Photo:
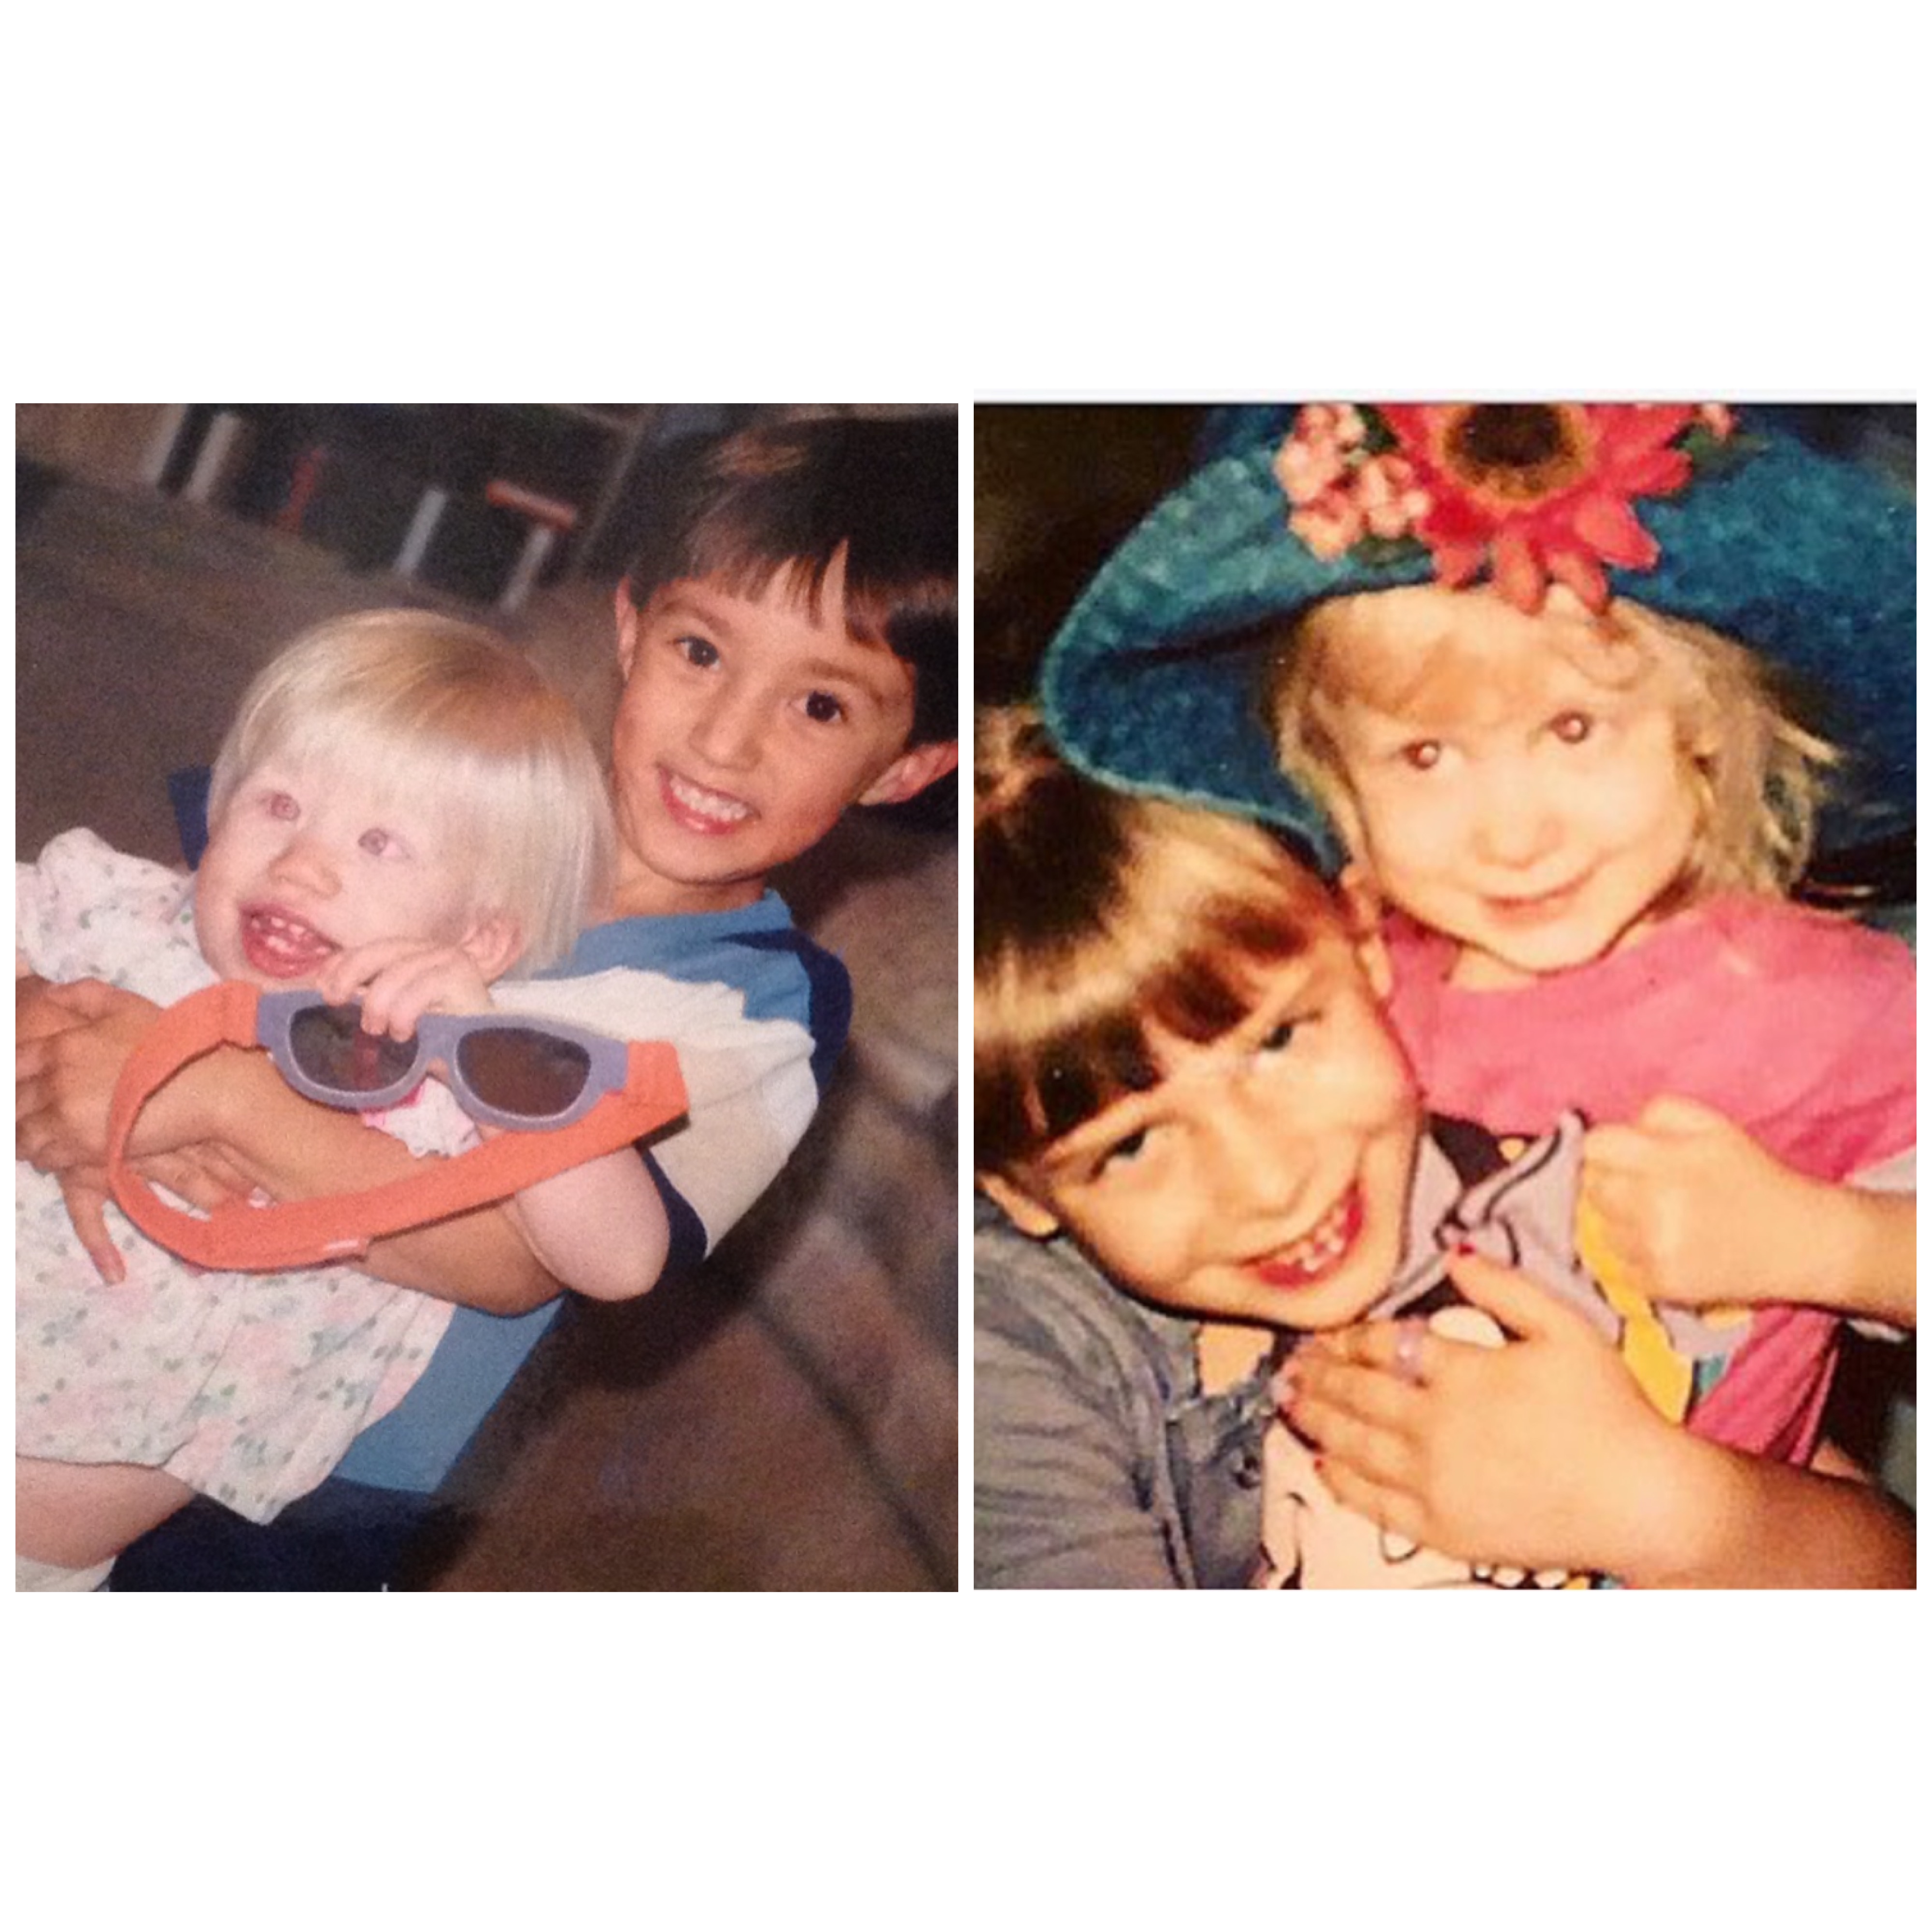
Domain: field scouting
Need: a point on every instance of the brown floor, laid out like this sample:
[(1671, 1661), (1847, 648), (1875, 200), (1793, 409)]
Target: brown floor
[(787, 1419)]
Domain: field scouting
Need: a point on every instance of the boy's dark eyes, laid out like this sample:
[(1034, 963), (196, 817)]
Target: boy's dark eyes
[(824, 708), (700, 653), (1279, 1038)]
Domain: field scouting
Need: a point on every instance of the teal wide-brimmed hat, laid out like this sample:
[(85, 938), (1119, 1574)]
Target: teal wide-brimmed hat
[(1732, 520)]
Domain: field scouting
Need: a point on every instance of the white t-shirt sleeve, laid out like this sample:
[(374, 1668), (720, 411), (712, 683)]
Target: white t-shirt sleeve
[(749, 1082)]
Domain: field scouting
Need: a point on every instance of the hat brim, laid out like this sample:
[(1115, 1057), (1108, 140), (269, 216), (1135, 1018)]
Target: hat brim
[(1153, 682)]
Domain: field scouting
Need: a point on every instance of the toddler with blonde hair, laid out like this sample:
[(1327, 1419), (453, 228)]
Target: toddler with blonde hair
[(402, 811)]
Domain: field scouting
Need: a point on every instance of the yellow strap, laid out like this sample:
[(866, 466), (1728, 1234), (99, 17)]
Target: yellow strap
[(1663, 1375)]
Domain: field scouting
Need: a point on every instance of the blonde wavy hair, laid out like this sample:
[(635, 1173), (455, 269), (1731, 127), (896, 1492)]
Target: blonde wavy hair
[(1759, 776)]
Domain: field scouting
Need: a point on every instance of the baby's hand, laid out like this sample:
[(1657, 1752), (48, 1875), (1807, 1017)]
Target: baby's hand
[(399, 980), (1700, 1213)]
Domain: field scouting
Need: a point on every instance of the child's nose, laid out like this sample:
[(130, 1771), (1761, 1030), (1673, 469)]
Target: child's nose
[(306, 863), (726, 734), (1515, 824), (1263, 1157)]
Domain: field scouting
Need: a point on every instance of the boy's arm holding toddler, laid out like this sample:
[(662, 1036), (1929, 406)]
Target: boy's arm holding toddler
[(205, 1180)]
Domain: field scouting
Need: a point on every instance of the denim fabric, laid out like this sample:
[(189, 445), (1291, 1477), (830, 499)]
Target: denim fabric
[(1098, 1461)]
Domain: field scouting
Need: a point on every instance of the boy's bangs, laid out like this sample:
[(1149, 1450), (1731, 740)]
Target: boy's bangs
[(883, 604), (782, 506), (785, 502)]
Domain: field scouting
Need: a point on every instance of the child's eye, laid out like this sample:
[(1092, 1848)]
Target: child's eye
[(279, 805), (1573, 727), (1123, 1152), (822, 708), (1422, 755), (1276, 1048), (699, 652), (381, 844)]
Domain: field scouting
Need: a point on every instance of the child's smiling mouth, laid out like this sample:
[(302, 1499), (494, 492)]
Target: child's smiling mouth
[(1532, 909), (280, 945), (696, 808), (1320, 1251)]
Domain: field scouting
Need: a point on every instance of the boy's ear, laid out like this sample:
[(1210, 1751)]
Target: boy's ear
[(493, 942), (627, 626), (1030, 1217), (911, 771)]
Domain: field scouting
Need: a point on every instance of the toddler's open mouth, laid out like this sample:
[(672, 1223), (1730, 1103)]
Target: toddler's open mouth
[(279, 946)]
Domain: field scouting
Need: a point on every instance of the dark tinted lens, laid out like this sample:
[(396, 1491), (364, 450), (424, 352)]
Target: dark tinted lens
[(523, 1072), (331, 1049)]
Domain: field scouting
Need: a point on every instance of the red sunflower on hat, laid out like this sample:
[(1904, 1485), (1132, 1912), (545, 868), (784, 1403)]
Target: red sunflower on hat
[(1534, 491)]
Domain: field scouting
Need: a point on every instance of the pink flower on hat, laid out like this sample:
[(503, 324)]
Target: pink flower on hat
[(1538, 491), (1332, 525), (1391, 500), (1341, 424), (1318, 455), (1342, 493), (1306, 470)]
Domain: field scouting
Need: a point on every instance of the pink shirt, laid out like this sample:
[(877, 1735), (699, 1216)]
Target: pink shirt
[(1798, 1027)]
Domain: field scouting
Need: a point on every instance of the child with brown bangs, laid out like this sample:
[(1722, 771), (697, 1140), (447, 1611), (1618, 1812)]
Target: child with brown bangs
[(787, 633), (1202, 1141)]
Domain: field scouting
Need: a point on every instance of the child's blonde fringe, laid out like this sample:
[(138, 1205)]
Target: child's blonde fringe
[(1760, 793)]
